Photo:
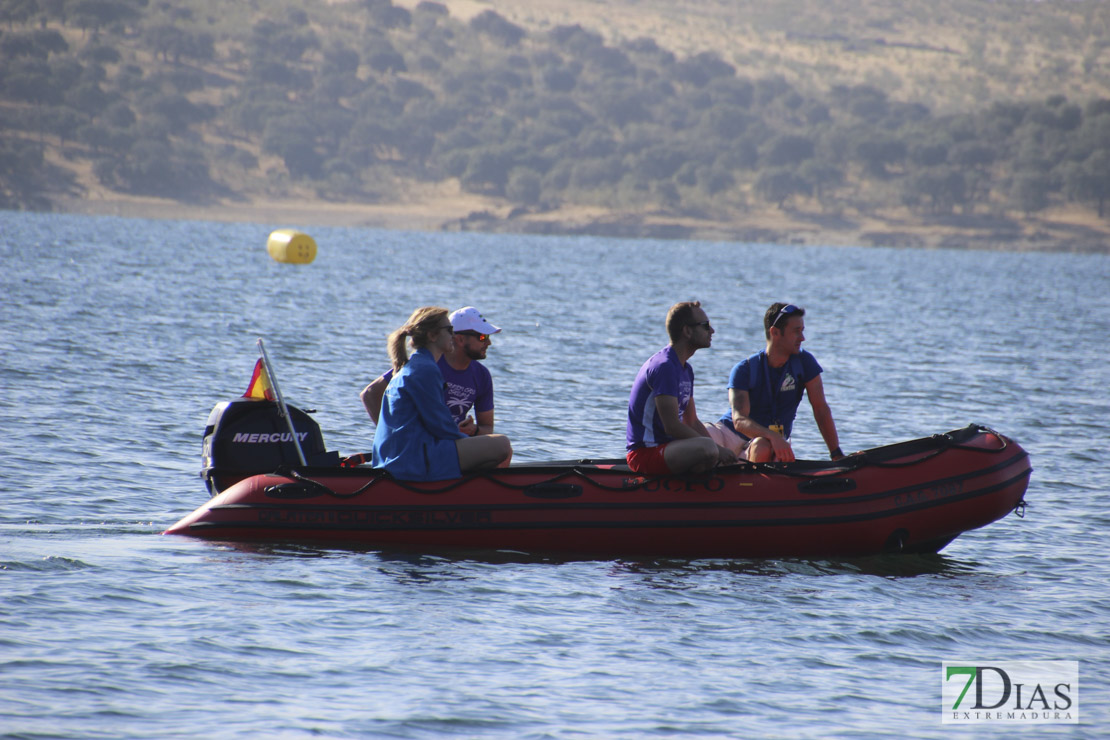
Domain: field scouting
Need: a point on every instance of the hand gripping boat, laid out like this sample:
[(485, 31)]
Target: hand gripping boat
[(914, 496)]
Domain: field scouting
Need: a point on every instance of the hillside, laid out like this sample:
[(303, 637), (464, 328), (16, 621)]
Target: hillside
[(951, 55), (969, 123)]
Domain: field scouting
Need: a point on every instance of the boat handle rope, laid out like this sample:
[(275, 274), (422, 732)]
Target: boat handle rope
[(946, 442), (632, 484), (849, 463)]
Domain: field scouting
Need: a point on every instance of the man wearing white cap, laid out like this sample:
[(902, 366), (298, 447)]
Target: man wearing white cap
[(468, 382)]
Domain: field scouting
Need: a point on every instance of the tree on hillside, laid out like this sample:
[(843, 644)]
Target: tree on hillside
[(726, 120), (152, 168), (778, 185), (940, 189), (293, 138), (1029, 192), (104, 139), (929, 149), (40, 44), (863, 101), (100, 54), (63, 122), (823, 177), (14, 12), (496, 27), (701, 69), (525, 186), (89, 98), (179, 112), (714, 180), (96, 14), (1089, 180), (385, 15), (879, 151), (21, 161), (174, 44), (30, 81), (488, 170), (787, 150)]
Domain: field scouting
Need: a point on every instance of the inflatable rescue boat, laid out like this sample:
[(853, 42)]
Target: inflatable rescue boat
[(914, 496)]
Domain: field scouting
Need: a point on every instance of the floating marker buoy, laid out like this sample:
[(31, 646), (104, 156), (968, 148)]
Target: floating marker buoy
[(291, 246)]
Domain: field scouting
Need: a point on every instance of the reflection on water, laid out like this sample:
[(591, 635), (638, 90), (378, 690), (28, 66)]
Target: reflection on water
[(886, 566), (431, 562)]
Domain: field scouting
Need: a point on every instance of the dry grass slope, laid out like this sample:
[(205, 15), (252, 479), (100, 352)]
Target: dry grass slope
[(952, 55)]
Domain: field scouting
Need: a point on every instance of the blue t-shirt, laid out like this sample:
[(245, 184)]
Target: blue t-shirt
[(464, 389), (774, 393), (661, 375)]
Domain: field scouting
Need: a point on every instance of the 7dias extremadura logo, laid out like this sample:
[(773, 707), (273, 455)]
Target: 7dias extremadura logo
[(1012, 691)]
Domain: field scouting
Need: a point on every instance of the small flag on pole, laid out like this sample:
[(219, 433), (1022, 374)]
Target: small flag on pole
[(260, 386)]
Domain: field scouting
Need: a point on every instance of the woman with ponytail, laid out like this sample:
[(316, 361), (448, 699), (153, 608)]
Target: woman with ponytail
[(416, 438)]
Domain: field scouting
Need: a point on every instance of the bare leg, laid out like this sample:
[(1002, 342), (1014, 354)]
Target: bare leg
[(483, 452), (695, 455), (760, 450)]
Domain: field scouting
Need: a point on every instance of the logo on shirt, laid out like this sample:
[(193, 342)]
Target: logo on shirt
[(460, 399), (685, 391), (788, 383)]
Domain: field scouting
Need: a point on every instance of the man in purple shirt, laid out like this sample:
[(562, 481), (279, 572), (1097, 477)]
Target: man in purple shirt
[(664, 433)]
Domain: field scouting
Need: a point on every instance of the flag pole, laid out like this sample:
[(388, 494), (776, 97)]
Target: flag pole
[(281, 401)]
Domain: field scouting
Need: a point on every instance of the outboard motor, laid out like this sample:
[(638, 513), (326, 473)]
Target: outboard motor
[(248, 436)]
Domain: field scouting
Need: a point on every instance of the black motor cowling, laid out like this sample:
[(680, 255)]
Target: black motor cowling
[(248, 436)]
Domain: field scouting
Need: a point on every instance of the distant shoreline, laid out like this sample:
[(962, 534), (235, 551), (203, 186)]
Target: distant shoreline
[(1065, 233)]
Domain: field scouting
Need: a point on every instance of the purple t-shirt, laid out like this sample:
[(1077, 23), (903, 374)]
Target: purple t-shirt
[(661, 375), (464, 389)]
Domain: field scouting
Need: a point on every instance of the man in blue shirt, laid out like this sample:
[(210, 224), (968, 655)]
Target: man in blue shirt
[(765, 389), (664, 434)]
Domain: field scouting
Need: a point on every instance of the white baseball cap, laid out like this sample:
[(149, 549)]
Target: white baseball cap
[(468, 319)]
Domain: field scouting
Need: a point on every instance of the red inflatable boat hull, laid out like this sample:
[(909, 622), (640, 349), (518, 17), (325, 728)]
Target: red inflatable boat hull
[(914, 496)]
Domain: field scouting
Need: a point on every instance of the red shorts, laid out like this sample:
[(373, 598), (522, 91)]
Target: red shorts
[(648, 460)]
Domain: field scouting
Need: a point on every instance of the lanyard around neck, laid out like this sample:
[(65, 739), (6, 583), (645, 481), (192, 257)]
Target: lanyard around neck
[(773, 392)]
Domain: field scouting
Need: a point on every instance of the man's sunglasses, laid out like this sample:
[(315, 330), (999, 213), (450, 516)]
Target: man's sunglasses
[(476, 335), (787, 310)]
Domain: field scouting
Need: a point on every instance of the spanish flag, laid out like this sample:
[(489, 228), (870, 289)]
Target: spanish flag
[(260, 383)]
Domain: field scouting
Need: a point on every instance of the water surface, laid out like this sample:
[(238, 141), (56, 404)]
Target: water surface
[(118, 336)]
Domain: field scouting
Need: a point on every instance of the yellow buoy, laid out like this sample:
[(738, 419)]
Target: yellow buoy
[(291, 246)]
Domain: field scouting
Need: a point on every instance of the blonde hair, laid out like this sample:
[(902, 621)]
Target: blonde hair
[(418, 328)]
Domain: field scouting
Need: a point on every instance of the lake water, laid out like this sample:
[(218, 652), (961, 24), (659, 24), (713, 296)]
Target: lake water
[(118, 336)]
